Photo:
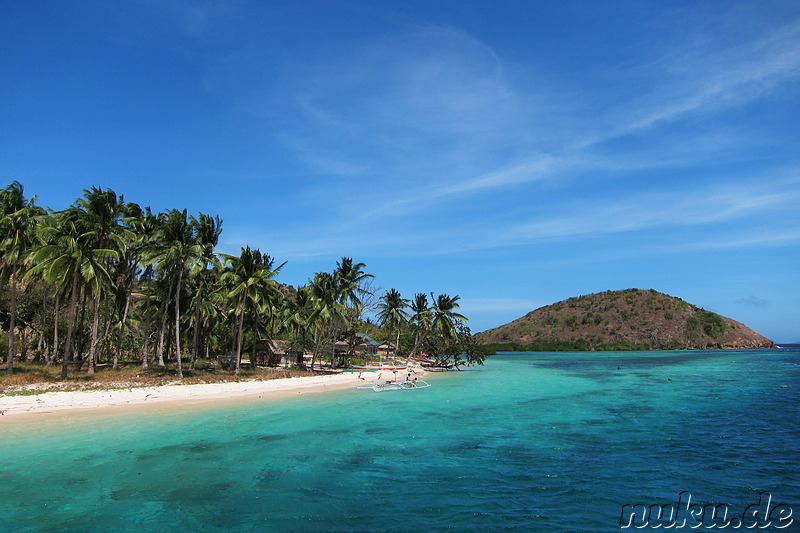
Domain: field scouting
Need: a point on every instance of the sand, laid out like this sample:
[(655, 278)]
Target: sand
[(53, 403)]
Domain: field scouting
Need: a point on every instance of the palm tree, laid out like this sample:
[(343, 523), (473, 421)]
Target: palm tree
[(271, 296), (207, 232), (126, 271), (65, 260), (349, 279), (249, 277), (444, 315), (179, 251), (392, 312), (16, 223), (420, 318), (102, 212), (298, 315), (146, 228), (328, 309), (441, 318), (17, 216)]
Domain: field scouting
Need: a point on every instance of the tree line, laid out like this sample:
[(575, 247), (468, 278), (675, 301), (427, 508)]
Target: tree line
[(108, 281)]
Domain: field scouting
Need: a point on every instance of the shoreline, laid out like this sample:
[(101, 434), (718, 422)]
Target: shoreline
[(53, 404)]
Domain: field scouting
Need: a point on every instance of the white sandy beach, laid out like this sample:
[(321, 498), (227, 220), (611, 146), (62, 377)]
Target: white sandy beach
[(176, 395)]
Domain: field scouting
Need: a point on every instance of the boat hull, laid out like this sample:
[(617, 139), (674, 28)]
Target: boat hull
[(377, 367), (396, 385)]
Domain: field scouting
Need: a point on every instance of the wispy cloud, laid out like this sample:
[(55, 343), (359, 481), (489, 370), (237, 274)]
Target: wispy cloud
[(753, 301), (764, 237), (434, 119), (665, 208), (714, 208), (697, 80), (406, 134)]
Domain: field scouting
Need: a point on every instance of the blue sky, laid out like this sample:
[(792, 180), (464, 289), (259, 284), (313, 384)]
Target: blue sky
[(514, 153)]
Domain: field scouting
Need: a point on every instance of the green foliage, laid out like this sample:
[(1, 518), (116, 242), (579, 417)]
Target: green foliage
[(106, 281), (621, 347), (406, 343), (580, 345), (460, 349), (705, 323)]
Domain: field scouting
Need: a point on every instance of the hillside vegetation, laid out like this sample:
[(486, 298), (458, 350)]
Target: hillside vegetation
[(619, 320)]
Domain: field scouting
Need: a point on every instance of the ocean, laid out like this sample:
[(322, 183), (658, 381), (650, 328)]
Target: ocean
[(529, 442)]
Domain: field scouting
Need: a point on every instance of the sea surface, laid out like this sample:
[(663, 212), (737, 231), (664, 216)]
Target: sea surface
[(529, 442)]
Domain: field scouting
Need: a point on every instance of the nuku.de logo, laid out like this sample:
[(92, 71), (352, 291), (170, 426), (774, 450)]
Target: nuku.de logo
[(763, 514)]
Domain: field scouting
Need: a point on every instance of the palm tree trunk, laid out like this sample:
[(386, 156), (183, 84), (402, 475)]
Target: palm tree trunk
[(177, 322), (77, 353), (54, 349), (106, 329), (73, 304), (420, 338), (239, 343), (39, 356), (146, 328), (41, 344), (162, 327), (397, 344), (118, 351), (95, 327), (333, 344), (195, 334), (12, 319), (317, 342)]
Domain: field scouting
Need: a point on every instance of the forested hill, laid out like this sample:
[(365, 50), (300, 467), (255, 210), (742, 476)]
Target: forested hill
[(627, 319)]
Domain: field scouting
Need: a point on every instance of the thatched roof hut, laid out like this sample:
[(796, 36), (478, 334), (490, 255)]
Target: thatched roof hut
[(268, 352)]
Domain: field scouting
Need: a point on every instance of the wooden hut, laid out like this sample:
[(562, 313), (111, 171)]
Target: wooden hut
[(267, 352)]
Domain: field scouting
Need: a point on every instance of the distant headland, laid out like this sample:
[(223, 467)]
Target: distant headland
[(631, 319)]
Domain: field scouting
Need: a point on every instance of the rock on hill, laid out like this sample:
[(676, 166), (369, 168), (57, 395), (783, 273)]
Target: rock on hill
[(647, 318)]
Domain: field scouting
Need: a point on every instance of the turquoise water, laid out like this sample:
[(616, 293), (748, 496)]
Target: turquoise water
[(530, 442)]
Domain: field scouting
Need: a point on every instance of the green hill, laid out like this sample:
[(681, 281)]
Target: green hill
[(627, 319)]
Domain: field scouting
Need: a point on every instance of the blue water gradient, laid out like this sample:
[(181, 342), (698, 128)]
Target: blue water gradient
[(530, 442)]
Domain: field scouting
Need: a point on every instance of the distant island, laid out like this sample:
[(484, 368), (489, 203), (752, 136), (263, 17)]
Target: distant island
[(631, 319)]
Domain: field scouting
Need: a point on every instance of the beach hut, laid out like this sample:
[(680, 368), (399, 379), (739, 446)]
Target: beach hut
[(386, 349), (267, 352), (359, 343)]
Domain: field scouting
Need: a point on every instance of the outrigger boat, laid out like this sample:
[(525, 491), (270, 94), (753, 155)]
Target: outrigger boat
[(424, 359), (375, 367), (397, 385)]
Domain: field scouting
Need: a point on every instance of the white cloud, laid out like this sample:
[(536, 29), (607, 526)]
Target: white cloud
[(443, 110), (664, 208), (697, 80), (407, 132)]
